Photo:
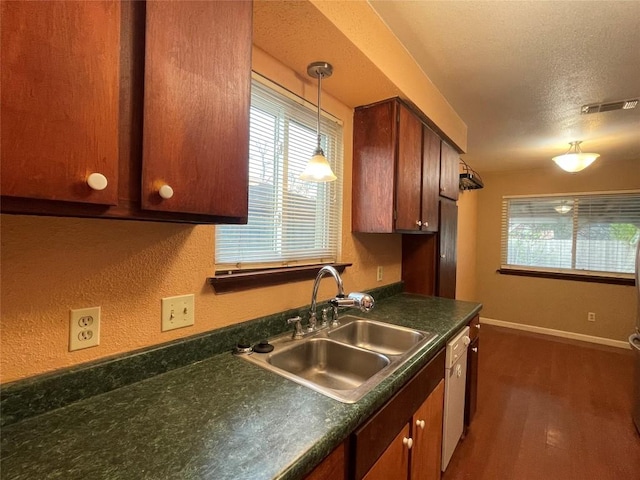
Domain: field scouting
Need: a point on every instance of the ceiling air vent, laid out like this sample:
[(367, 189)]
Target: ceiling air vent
[(607, 107)]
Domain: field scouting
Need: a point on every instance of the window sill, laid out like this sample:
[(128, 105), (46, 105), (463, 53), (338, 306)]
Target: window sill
[(567, 276), (237, 281)]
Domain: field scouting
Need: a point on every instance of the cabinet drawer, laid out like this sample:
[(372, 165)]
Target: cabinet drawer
[(377, 433)]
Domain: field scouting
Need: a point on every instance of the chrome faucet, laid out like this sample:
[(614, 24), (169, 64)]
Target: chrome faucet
[(363, 301)]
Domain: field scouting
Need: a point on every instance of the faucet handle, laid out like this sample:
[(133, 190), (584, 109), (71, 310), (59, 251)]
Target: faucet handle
[(325, 318), (297, 327)]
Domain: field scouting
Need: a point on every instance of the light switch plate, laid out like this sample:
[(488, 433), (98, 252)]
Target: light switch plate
[(84, 328), (177, 312)]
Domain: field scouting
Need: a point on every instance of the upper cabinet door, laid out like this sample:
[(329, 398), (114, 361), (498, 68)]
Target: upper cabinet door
[(196, 107), (408, 171), (60, 93), (374, 150), (430, 179), (449, 172)]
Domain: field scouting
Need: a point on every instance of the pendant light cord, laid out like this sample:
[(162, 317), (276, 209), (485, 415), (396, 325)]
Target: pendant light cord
[(318, 148)]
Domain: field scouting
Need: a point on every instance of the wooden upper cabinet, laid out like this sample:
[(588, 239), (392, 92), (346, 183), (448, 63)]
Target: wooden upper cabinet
[(374, 151), (60, 87), (449, 172), (145, 94), (196, 107), (430, 179), (395, 171), (409, 171)]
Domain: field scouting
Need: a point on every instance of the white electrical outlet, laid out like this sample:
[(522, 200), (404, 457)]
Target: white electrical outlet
[(591, 316), (379, 273), (177, 312), (84, 328)]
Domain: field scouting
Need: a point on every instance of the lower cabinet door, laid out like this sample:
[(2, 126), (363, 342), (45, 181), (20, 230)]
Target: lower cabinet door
[(427, 435), (394, 462)]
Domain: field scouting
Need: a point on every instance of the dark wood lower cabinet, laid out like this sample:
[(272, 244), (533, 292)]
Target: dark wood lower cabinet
[(379, 445), (333, 467)]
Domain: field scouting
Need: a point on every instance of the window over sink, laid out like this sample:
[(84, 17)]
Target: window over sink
[(590, 234), (291, 222)]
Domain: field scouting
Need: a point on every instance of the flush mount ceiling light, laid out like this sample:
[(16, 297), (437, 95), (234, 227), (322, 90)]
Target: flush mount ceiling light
[(318, 168), (575, 160), (563, 208)]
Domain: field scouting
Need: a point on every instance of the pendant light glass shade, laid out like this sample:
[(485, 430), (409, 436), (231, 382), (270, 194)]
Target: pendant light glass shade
[(318, 168), (575, 160)]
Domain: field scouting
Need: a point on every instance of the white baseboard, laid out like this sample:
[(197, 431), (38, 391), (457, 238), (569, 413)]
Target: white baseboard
[(557, 333)]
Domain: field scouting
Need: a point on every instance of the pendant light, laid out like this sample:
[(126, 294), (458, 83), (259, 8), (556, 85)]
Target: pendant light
[(575, 160), (318, 168)]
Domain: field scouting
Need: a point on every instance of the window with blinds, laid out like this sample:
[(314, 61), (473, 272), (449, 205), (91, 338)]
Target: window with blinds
[(587, 234), (291, 221)]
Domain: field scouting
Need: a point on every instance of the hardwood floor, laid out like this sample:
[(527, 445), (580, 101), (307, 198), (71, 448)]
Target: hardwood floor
[(549, 409)]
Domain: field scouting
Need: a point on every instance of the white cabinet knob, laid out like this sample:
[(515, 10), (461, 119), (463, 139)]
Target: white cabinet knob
[(419, 223), (420, 423), (97, 181), (466, 340), (408, 442), (475, 349), (165, 191), (443, 255), (425, 224)]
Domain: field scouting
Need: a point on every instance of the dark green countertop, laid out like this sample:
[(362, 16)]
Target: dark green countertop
[(220, 418)]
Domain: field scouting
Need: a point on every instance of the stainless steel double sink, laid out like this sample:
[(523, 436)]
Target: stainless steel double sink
[(344, 362)]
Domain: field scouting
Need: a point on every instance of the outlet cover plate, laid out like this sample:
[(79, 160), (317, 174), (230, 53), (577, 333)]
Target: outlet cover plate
[(84, 328), (177, 312)]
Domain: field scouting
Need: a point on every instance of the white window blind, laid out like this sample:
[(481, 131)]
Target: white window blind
[(291, 221), (585, 234)]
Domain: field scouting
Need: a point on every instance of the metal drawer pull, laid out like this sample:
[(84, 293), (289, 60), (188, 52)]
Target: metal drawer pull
[(420, 423), (408, 442)]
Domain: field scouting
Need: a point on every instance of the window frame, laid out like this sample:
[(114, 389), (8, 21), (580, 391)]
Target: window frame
[(256, 274), (618, 278)]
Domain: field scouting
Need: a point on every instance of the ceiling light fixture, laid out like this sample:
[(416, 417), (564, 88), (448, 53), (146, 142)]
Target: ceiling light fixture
[(318, 168), (563, 208), (575, 160)]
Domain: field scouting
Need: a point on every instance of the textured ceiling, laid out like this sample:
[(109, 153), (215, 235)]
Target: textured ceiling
[(296, 33), (517, 72)]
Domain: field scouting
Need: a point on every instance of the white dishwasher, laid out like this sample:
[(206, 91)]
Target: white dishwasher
[(455, 379)]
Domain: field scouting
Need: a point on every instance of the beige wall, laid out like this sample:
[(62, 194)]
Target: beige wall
[(549, 303), (467, 246), (50, 265)]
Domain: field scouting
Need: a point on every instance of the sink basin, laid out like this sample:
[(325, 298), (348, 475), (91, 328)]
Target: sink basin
[(346, 362), (377, 336), (330, 364)]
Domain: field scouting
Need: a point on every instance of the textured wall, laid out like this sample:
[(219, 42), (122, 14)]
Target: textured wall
[(550, 303), (50, 265), (467, 249)]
